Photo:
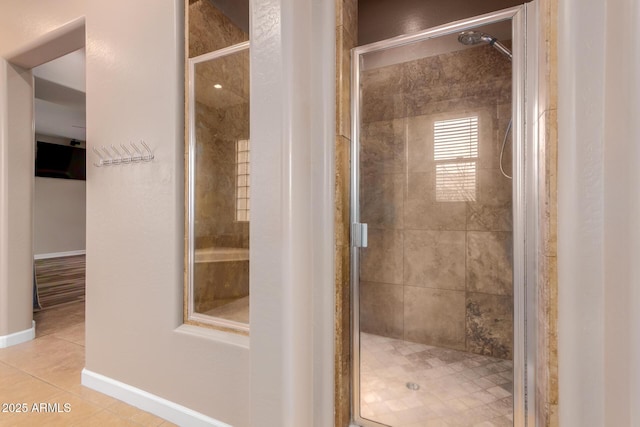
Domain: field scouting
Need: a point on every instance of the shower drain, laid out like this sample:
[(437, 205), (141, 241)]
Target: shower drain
[(413, 386)]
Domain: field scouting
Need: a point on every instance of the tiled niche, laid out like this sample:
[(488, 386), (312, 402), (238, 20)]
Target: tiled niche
[(438, 267)]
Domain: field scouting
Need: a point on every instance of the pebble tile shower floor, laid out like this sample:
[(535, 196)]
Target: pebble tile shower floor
[(456, 388)]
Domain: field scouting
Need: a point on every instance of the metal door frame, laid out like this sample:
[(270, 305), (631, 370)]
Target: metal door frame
[(525, 198)]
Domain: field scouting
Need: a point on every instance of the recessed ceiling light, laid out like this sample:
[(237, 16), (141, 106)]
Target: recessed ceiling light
[(217, 86)]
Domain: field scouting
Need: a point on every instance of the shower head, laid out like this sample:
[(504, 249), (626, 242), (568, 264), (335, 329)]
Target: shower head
[(470, 38)]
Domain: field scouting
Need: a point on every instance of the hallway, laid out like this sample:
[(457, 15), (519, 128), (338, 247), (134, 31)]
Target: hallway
[(47, 370)]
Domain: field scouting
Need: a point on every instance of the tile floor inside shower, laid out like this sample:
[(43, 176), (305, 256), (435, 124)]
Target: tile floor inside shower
[(456, 388)]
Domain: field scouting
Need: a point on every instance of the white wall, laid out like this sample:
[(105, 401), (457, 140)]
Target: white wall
[(598, 211), (292, 237), (622, 215)]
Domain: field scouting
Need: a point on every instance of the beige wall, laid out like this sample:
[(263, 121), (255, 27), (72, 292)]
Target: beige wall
[(59, 210), (16, 202), (59, 219), (135, 221), (134, 214), (135, 217)]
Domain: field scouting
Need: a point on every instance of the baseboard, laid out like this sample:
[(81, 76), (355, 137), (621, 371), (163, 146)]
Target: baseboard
[(141, 399), (18, 337), (59, 254)]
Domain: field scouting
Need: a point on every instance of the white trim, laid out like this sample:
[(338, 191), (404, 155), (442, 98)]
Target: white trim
[(59, 254), (19, 337), (141, 399)]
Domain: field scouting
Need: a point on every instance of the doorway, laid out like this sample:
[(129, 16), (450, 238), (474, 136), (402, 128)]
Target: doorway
[(59, 205), (438, 223)]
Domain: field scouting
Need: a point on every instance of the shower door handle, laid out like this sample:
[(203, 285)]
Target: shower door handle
[(359, 235)]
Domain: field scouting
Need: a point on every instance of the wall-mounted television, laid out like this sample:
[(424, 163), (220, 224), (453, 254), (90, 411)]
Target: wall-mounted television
[(60, 161)]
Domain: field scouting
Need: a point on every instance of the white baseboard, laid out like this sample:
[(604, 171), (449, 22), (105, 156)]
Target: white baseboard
[(59, 254), (163, 408), (19, 337)]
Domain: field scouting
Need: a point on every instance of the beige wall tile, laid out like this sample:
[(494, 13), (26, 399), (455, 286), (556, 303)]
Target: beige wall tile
[(420, 144), (344, 44), (381, 261), (210, 30), (342, 190), (381, 308), (342, 337), (550, 216), (343, 299), (423, 212), (382, 200), (346, 28), (434, 317), (347, 16), (492, 210), (435, 259), (489, 326), (490, 262), (552, 306), (215, 282), (382, 147)]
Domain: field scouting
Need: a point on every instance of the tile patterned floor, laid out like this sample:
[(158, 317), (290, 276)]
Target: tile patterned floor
[(236, 310), (47, 370), (457, 389)]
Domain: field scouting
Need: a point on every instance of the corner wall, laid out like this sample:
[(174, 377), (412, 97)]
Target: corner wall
[(581, 286), (598, 211), (16, 203)]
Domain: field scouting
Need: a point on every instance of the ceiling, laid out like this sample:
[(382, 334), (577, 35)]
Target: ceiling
[(60, 100)]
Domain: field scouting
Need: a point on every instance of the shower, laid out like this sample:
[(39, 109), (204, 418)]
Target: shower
[(470, 38)]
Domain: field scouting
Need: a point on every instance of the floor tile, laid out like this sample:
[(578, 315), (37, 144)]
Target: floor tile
[(46, 371), (456, 388)]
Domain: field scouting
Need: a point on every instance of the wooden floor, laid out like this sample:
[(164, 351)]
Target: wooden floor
[(60, 280), (47, 370)]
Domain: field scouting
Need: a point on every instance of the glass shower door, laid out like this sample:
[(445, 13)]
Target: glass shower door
[(433, 267)]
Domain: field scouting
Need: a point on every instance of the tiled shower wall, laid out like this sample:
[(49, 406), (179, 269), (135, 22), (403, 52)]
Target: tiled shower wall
[(434, 272), (221, 119)]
